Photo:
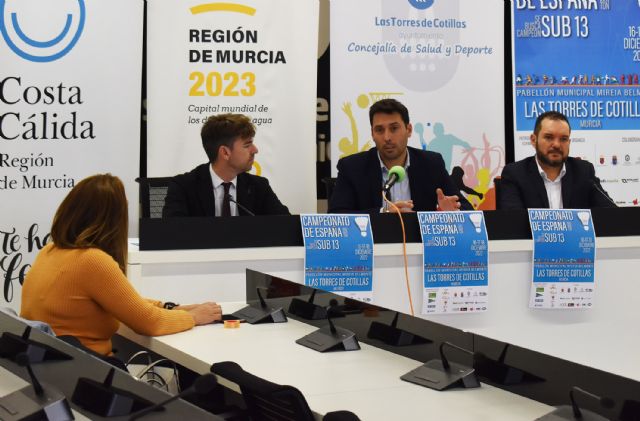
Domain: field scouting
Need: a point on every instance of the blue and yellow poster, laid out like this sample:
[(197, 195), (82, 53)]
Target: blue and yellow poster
[(455, 260), (564, 247), (339, 254)]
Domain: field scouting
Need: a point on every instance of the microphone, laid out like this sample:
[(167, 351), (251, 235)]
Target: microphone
[(596, 184), (332, 327), (396, 173), (442, 374), (307, 309), (445, 361), (577, 413), (39, 404), (573, 411), (240, 206), (22, 359), (203, 385), (263, 303)]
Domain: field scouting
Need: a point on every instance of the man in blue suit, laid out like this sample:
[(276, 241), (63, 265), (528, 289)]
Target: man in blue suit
[(361, 176)]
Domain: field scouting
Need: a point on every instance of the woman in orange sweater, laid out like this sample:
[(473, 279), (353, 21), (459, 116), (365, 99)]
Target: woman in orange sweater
[(77, 283)]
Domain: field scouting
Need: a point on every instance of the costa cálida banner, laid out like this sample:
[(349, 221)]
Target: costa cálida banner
[(70, 84)]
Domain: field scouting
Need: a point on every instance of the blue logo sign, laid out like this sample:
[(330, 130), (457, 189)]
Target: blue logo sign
[(423, 4), (37, 50)]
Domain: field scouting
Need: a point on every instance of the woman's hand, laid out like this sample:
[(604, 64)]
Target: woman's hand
[(204, 313)]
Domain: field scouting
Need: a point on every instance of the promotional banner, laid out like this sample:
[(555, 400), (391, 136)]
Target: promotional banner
[(455, 262), (564, 248), (339, 254), (582, 58), (70, 84), (444, 60), (215, 58)]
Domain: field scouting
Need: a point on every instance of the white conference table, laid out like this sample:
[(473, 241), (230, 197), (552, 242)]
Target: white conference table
[(366, 382), (602, 337)]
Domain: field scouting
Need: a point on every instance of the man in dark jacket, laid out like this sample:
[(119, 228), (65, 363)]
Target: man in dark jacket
[(223, 187), (551, 179), (361, 176)]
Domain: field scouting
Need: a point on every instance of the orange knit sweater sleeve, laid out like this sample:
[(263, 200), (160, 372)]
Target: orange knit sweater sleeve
[(108, 286), (155, 303)]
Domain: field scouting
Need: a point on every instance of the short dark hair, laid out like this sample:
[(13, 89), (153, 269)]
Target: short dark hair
[(551, 115), (224, 129), (389, 106)]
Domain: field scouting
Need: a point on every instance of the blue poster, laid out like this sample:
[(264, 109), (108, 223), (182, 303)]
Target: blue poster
[(455, 260), (580, 58), (564, 246), (339, 254)]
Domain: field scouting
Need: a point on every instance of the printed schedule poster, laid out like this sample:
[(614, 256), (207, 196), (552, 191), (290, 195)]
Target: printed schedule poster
[(455, 260), (582, 58), (339, 254), (564, 247)]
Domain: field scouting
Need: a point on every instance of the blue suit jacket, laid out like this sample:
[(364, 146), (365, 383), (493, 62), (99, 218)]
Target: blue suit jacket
[(359, 184)]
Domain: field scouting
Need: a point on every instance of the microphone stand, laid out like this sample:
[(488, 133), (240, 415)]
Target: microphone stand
[(244, 208), (574, 412), (596, 185), (442, 374), (34, 402), (203, 385)]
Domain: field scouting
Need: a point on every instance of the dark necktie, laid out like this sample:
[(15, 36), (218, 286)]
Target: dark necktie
[(226, 200)]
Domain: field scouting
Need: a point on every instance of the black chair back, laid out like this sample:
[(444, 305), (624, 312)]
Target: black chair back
[(270, 401), (496, 186), (114, 361), (153, 190), (329, 184), (265, 400)]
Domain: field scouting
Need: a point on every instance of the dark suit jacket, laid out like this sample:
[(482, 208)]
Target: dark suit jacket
[(191, 194), (522, 187), (359, 185)]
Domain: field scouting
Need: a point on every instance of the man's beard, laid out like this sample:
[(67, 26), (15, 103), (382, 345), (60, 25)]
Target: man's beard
[(546, 161)]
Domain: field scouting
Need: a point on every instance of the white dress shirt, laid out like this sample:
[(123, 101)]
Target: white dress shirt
[(218, 192), (553, 188)]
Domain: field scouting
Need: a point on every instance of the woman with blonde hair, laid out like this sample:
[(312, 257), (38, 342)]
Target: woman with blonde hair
[(77, 283)]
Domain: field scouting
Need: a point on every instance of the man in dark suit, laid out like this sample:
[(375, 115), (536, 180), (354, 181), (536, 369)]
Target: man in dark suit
[(551, 179), (222, 187), (361, 176)]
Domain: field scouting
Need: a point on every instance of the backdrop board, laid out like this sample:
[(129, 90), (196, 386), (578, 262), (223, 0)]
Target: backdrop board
[(581, 58), (214, 58), (70, 84), (444, 60)]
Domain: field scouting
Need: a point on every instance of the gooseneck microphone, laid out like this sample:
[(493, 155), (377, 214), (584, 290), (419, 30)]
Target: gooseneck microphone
[(203, 385), (241, 206), (445, 361), (577, 413), (596, 184), (22, 359), (396, 173)]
